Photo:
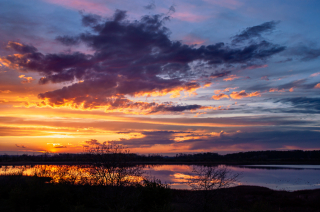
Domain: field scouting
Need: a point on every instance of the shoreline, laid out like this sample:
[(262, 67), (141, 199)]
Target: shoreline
[(26, 163)]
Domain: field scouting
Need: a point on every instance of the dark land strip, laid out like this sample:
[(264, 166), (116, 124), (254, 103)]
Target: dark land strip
[(21, 193)]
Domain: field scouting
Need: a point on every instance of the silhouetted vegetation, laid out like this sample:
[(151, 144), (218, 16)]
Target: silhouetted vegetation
[(21, 193)]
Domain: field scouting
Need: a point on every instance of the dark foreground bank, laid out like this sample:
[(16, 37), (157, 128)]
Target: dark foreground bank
[(20, 193)]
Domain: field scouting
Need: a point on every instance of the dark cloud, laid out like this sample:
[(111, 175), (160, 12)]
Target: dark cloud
[(132, 58), (291, 110), (151, 138), (255, 31), (92, 142), (220, 74), (303, 103), (177, 108), (268, 139), (22, 49), (294, 84), (304, 52), (150, 6), (310, 54), (68, 40), (105, 91), (286, 60), (260, 140), (59, 146), (172, 9), (91, 20), (20, 146)]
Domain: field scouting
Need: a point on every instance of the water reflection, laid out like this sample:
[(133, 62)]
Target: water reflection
[(77, 174), (286, 177)]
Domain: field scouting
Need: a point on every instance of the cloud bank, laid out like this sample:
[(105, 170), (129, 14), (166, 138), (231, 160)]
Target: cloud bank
[(130, 59)]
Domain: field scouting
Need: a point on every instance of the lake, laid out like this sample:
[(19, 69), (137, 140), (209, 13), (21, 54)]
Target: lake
[(278, 177)]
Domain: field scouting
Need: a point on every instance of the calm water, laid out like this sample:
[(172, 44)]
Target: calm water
[(278, 177)]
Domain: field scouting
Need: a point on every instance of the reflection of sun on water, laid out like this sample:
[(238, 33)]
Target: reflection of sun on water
[(66, 174)]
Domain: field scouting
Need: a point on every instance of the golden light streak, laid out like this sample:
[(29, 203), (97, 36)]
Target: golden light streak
[(175, 92), (26, 79), (220, 96), (276, 90), (231, 78), (243, 94)]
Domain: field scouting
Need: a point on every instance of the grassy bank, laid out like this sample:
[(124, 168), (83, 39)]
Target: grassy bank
[(21, 193)]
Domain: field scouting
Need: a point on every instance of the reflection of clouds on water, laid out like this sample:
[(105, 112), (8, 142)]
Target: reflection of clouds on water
[(286, 177), (173, 168)]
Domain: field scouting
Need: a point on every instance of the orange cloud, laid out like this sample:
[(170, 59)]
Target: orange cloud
[(26, 79), (118, 104), (217, 91), (208, 84), (5, 91), (11, 60), (243, 94), (16, 43), (276, 90), (220, 96), (5, 62), (175, 92), (225, 90), (198, 114), (230, 78), (291, 89), (317, 85)]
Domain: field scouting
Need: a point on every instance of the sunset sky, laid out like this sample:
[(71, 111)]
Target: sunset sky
[(159, 76)]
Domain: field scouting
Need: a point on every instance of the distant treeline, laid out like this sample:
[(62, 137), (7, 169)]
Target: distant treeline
[(241, 157)]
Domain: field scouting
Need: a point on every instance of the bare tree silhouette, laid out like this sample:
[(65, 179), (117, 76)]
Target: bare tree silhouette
[(111, 165), (209, 179), (212, 177)]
